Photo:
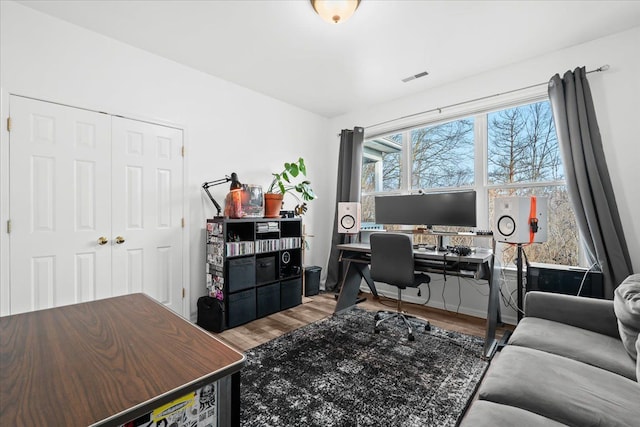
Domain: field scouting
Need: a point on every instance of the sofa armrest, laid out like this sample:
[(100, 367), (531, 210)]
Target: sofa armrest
[(595, 315)]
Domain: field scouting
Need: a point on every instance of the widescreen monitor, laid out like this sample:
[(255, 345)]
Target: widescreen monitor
[(430, 209)]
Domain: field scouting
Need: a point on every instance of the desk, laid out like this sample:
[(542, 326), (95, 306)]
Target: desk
[(107, 362), (478, 265)]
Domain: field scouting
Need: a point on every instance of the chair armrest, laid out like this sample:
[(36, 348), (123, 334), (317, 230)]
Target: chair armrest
[(595, 315)]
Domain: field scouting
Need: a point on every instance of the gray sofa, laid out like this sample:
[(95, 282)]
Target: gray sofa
[(570, 361)]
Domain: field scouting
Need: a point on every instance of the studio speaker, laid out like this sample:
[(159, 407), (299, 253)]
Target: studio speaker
[(348, 217), (520, 219)]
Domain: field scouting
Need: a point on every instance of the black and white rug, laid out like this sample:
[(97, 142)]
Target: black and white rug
[(337, 372)]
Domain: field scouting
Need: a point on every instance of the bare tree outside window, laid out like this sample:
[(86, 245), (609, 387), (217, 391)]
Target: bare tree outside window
[(442, 155), (523, 149), (523, 146)]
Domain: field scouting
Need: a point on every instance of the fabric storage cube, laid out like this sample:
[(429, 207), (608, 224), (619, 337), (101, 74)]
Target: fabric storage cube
[(265, 269), (242, 274), (268, 299), (290, 293), (241, 307)]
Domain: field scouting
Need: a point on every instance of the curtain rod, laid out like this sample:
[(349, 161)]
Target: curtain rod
[(439, 109)]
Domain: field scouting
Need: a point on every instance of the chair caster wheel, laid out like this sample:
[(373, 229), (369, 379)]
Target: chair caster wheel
[(411, 337), (376, 330), (427, 327)]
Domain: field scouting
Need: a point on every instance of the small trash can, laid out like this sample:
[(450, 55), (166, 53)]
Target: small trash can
[(312, 280), (210, 314)]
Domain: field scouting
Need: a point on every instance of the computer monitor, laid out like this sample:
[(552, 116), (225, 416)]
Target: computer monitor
[(431, 209)]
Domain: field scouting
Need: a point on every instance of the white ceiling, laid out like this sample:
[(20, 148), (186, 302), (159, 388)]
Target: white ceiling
[(284, 50)]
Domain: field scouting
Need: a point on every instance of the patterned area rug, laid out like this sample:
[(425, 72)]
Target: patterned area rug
[(337, 372)]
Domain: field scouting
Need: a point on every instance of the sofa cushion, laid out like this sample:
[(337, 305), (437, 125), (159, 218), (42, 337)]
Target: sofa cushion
[(490, 414), (580, 344), (561, 389), (626, 304)]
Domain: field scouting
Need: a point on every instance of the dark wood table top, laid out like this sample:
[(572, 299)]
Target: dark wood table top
[(90, 363)]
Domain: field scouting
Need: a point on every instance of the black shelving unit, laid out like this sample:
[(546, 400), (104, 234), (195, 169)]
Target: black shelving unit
[(254, 266)]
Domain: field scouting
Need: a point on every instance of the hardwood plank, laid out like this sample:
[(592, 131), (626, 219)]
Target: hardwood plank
[(323, 305)]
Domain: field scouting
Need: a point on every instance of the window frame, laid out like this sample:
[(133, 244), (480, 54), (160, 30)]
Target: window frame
[(479, 111)]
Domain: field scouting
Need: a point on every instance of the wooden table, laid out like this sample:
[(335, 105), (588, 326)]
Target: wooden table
[(106, 362)]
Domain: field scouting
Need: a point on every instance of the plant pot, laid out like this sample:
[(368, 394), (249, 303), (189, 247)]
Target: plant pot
[(272, 205)]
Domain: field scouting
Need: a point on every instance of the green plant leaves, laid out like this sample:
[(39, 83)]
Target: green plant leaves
[(292, 170), (302, 166)]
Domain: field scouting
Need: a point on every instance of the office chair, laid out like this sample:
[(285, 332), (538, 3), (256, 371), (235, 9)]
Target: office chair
[(392, 263)]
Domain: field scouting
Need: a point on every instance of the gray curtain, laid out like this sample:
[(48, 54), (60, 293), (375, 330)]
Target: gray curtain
[(348, 190), (587, 175)]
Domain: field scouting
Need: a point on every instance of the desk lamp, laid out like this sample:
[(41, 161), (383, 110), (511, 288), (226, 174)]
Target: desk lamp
[(235, 185)]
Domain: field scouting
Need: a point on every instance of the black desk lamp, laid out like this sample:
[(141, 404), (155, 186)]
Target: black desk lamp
[(235, 184)]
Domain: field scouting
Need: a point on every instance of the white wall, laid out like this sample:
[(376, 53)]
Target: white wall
[(228, 128), (615, 92)]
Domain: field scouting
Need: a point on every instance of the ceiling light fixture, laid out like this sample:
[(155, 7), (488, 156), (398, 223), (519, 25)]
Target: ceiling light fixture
[(335, 11)]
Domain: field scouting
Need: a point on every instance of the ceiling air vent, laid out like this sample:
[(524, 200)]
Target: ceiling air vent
[(417, 76)]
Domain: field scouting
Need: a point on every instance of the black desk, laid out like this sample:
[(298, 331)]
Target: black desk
[(478, 265)]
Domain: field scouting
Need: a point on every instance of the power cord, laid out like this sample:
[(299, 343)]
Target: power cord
[(444, 301), (444, 276), (428, 293), (584, 277), (459, 296), (510, 301)]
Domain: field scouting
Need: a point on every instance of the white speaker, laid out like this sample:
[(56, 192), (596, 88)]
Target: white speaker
[(348, 217), (517, 221)]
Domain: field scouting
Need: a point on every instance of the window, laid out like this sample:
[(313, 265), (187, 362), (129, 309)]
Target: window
[(511, 151), (381, 165), (442, 155)]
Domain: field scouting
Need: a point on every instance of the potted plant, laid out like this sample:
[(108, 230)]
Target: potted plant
[(283, 183)]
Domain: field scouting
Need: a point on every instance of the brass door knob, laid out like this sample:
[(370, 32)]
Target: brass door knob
[(119, 240), (102, 240)]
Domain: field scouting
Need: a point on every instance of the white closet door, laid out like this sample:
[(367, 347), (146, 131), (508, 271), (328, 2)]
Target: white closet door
[(147, 210), (60, 195)]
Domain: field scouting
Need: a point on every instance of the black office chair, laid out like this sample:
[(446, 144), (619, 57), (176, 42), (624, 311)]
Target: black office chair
[(392, 263)]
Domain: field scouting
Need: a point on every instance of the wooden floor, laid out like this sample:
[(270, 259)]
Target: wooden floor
[(320, 306)]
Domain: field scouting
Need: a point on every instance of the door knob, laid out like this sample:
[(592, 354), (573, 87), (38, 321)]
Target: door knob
[(102, 240), (119, 240)]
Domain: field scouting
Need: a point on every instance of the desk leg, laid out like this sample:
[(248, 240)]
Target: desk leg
[(493, 316), (349, 288), (229, 400), (365, 273), (235, 399)]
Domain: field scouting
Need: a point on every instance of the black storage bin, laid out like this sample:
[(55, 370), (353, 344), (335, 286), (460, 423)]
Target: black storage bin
[(242, 274), (290, 293), (268, 299), (265, 269), (242, 307), (312, 280), (210, 314)]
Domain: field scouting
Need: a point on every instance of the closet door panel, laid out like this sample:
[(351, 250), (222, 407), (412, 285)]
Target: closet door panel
[(147, 210), (59, 204)]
